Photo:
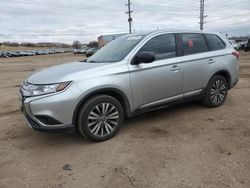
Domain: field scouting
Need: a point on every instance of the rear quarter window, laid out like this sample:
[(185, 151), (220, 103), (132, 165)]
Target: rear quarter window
[(193, 43), (214, 42)]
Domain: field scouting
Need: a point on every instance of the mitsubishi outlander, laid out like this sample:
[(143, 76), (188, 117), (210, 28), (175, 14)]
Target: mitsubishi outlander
[(133, 74)]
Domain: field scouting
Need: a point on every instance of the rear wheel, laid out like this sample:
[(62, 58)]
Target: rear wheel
[(100, 118), (216, 91)]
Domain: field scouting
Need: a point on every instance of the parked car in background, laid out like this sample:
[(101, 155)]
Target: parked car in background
[(76, 51), (91, 51), (133, 74), (83, 51), (242, 44), (80, 51), (247, 46), (235, 45), (5, 54)]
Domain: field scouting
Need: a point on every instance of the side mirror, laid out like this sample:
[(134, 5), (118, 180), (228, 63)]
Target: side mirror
[(143, 57)]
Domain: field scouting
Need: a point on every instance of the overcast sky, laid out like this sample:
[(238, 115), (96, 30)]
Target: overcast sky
[(85, 20)]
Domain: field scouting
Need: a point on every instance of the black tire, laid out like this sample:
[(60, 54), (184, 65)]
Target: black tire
[(84, 123), (210, 99)]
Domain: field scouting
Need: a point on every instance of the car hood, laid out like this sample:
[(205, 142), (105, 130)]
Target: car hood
[(61, 73)]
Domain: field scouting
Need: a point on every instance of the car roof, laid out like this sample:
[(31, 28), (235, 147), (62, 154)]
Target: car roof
[(144, 33)]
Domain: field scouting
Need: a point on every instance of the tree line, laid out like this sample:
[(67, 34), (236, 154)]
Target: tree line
[(75, 44)]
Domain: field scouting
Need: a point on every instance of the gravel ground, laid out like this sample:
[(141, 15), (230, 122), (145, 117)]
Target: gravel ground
[(183, 146)]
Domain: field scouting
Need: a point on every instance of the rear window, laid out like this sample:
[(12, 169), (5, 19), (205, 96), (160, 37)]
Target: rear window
[(193, 43), (214, 42)]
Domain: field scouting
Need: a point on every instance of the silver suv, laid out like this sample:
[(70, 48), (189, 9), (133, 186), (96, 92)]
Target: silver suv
[(133, 74)]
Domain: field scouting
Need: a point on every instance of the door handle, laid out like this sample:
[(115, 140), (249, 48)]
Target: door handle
[(175, 68), (211, 61)]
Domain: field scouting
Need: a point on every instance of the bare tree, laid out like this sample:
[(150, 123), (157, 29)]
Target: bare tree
[(76, 44), (93, 44)]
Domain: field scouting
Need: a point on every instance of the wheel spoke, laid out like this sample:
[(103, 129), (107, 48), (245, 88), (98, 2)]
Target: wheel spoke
[(93, 117), (98, 109), (106, 109), (215, 99), (113, 114), (103, 108), (107, 130), (212, 95), (111, 109), (95, 127), (218, 98), (222, 96), (98, 128), (115, 123), (92, 123), (114, 117), (212, 91), (223, 87), (107, 126), (217, 84), (94, 114)]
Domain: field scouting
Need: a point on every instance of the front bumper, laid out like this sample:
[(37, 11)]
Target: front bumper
[(36, 126), (52, 112)]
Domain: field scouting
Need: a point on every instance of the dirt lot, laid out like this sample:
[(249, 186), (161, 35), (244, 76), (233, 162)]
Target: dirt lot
[(182, 146)]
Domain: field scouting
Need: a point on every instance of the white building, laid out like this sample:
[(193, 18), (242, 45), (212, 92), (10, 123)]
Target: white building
[(105, 39)]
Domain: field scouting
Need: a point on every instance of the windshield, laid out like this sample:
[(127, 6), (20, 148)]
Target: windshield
[(116, 50)]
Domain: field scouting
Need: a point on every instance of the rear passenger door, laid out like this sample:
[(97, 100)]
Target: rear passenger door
[(195, 63)]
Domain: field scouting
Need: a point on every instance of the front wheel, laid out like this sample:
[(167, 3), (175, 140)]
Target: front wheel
[(100, 118), (216, 91)]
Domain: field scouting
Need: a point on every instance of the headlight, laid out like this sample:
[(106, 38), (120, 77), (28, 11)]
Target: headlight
[(35, 90)]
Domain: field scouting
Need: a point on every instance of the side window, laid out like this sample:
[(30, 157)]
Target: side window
[(214, 42), (193, 43), (163, 46)]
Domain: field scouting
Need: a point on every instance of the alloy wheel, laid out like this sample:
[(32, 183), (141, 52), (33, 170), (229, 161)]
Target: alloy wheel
[(103, 119), (218, 91)]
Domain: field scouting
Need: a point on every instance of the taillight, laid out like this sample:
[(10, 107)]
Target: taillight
[(236, 54)]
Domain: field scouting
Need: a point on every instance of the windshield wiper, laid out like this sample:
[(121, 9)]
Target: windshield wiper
[(86, 61)]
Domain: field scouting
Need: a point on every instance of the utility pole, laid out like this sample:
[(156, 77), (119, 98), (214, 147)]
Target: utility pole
[(129, 15), (202, 14)]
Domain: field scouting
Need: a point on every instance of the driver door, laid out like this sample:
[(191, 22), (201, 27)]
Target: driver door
[(158, 82)]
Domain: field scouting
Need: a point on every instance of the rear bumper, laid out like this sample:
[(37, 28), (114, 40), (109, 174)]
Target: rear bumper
[(234, 83)]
